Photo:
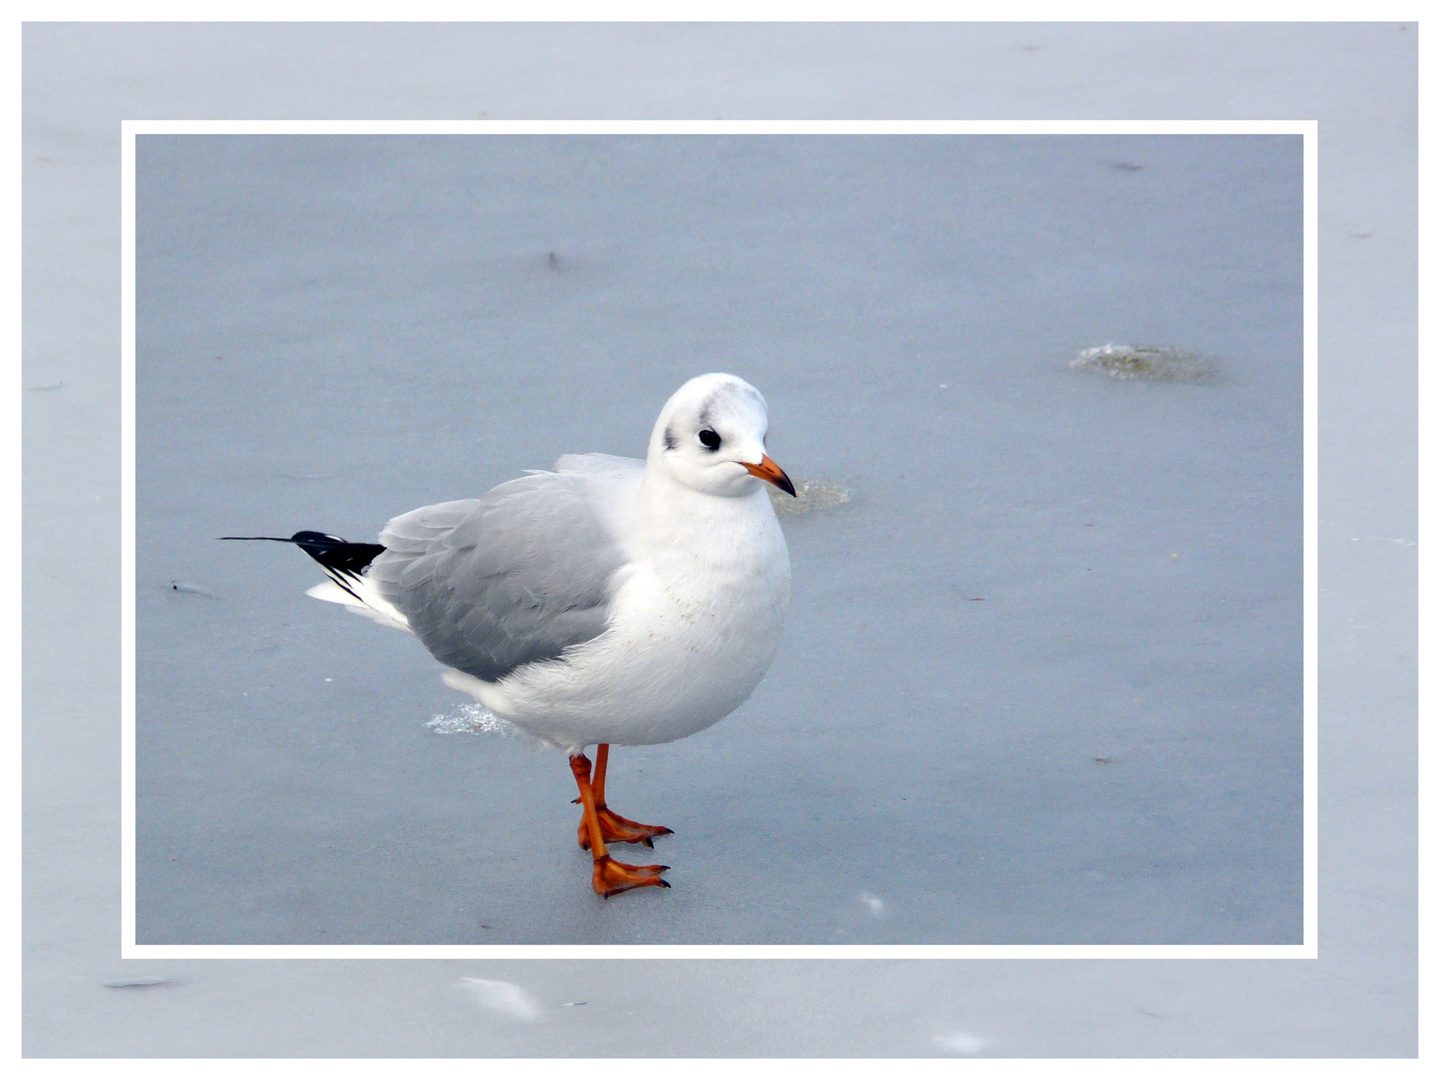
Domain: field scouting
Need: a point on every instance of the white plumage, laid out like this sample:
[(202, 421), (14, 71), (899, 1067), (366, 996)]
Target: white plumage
[(609, 601), (697, 579)]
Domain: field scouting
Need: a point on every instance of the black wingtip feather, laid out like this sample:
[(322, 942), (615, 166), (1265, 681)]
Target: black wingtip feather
[(331, 552)]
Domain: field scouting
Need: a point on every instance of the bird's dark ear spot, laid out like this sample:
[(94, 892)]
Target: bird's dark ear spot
[(670, 442)]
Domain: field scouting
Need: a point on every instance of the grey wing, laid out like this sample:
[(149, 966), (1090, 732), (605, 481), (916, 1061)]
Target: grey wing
[(511, 579)]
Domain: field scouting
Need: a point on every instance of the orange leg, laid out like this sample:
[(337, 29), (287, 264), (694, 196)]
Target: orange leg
[(610, 877), (614, 828)]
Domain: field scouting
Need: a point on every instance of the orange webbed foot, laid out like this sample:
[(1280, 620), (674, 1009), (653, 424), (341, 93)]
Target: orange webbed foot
[(599, 826), (615, 829), (611, 877)]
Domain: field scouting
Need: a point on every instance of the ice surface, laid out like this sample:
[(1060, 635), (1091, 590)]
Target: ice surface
[(1044, 651), (810, 495), (135, 982), (960, 1042), (1160, 362), (504, 998), (471, 718)]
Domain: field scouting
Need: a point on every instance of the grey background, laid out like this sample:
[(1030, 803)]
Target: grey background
[(1358, 999), (1042, 681)]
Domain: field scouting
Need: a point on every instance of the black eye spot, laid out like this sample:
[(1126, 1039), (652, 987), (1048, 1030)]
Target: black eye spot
[(709, 440)]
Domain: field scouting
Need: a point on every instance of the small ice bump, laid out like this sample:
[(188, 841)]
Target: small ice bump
[(471, 718), (960, 1042), (504, 998), (810, 495), (873, 902), (135, 981), (1160, 363)]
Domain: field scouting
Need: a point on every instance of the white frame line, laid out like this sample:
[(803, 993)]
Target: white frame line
[(1307, 950)]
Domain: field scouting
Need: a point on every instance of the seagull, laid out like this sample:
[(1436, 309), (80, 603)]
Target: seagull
[(607, 601)]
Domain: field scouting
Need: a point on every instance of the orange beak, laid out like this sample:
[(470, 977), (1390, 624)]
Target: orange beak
[(768, 470)]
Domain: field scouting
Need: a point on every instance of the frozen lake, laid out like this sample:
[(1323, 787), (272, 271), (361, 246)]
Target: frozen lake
[(1041, 682)]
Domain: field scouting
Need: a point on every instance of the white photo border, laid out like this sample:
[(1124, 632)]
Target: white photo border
[(1308, 949)]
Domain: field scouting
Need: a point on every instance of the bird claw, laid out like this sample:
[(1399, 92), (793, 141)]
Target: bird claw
[(615, 829), (612, 878)]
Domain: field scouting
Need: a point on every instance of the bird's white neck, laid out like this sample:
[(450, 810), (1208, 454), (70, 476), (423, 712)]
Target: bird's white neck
[(679, 518)]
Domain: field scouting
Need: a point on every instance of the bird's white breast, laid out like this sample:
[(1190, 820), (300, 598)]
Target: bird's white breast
[(695, 622)]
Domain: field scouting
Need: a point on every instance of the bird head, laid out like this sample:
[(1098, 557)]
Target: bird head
[(710, 437)]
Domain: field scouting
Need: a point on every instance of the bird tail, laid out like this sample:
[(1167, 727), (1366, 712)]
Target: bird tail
[(344, 564)]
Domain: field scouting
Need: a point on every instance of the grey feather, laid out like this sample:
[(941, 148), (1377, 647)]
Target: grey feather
[(510, 579)]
